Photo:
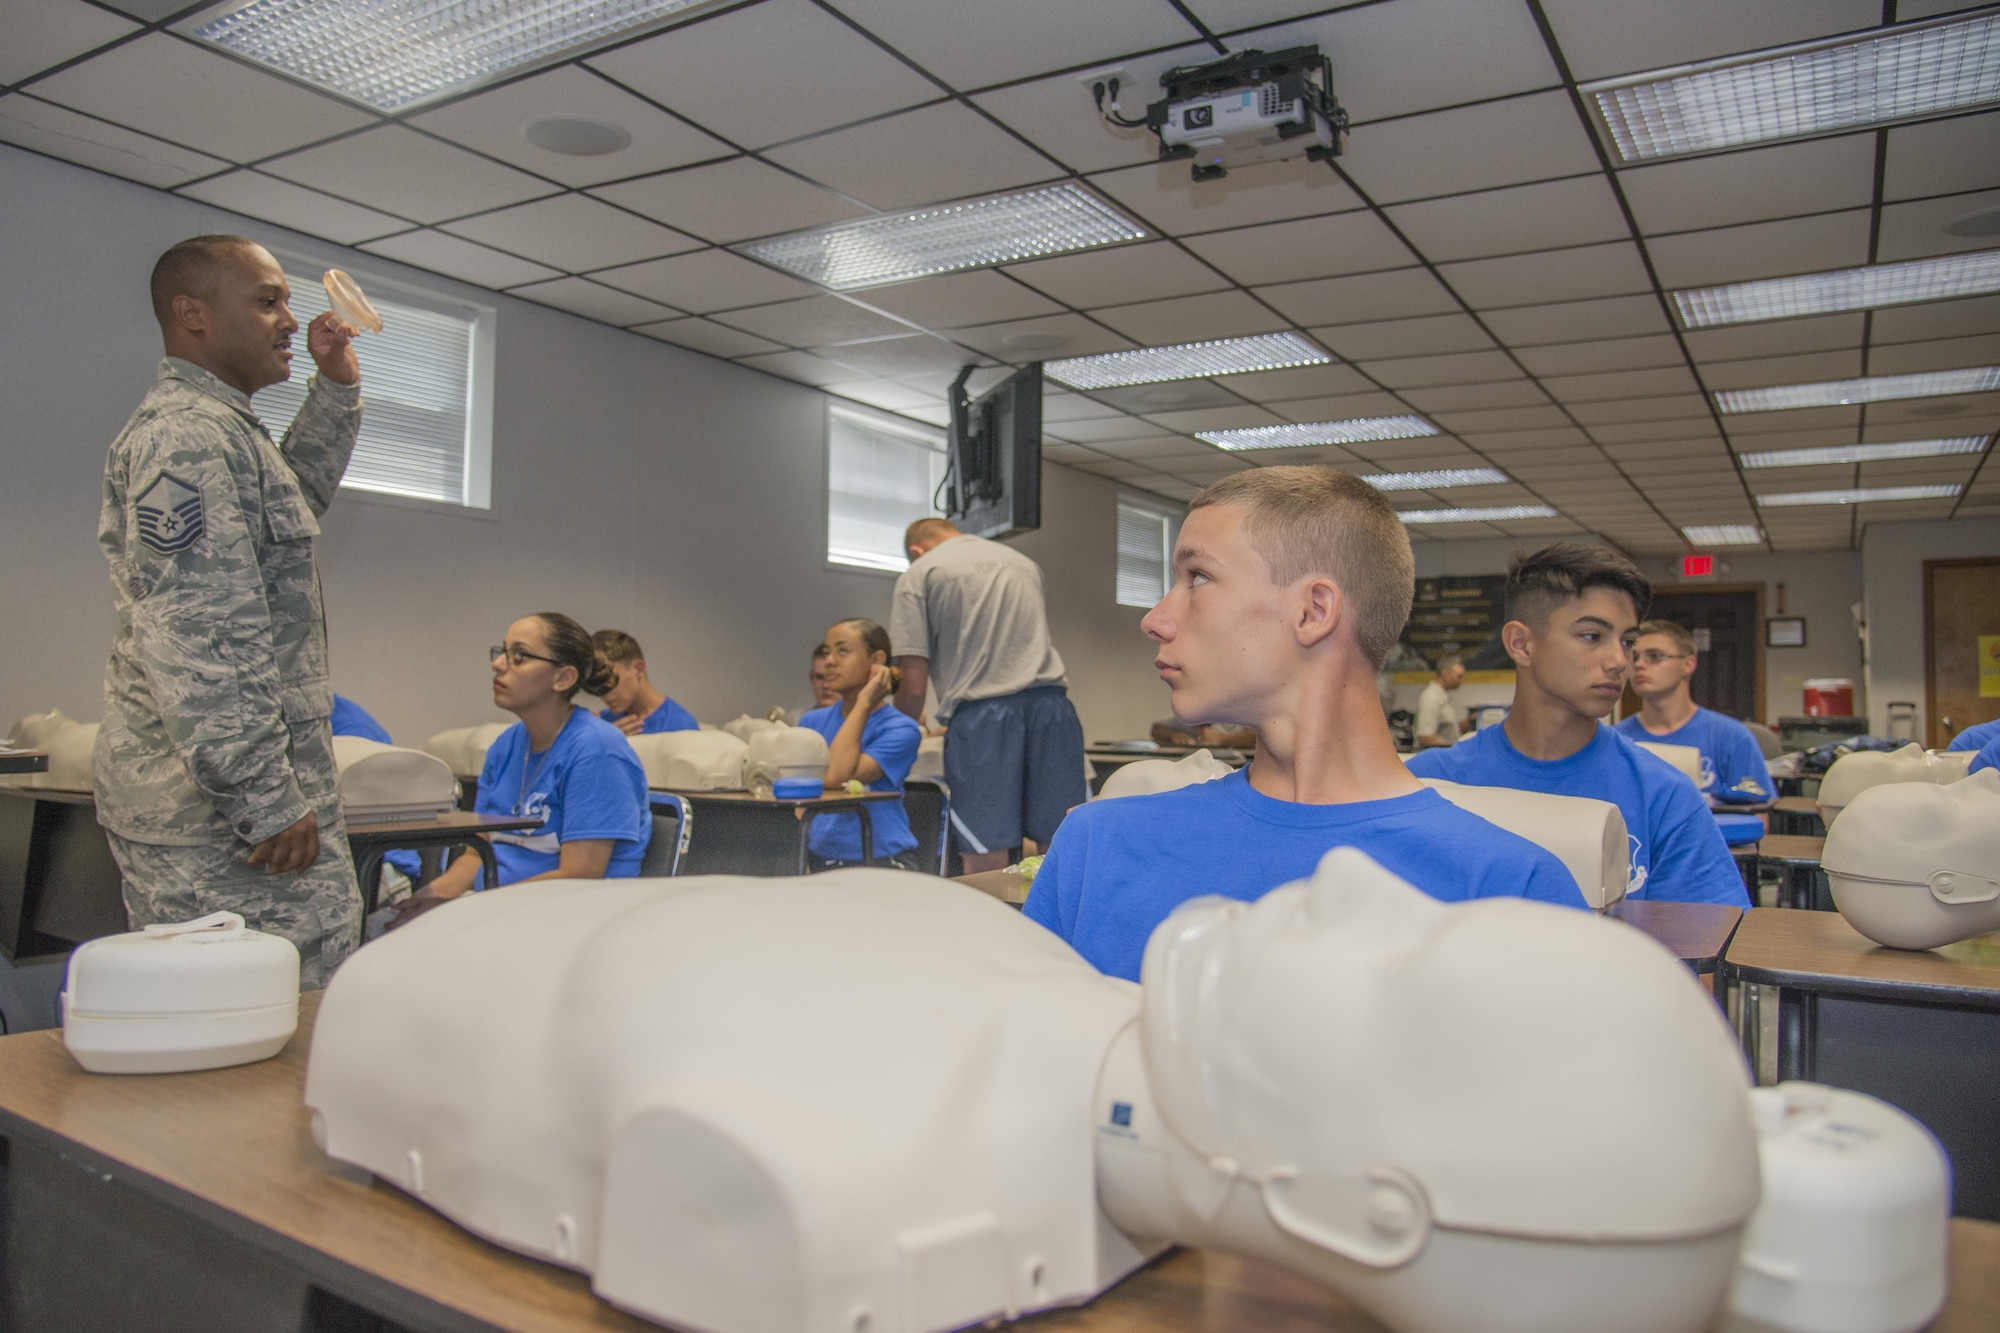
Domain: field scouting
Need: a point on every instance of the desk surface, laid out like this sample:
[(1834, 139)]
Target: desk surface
[(1695, 932), (1792, 848), (1819, 951), (232, 1146), (749, 798), (451, 821), (1796, 805), (1006, 885)]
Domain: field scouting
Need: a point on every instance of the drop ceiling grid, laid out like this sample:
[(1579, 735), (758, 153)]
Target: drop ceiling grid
[(1522, 97)]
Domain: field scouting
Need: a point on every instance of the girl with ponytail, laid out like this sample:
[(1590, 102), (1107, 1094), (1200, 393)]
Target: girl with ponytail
[(867, 739), (575, 772)]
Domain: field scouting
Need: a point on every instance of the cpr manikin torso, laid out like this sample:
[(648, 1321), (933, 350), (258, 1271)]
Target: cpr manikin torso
[(68, 744), (1686, 759), (1145, 776), (1914, 865), (871, 1101), (1855, 773), (783, 752), (380, 781), (463, 749), (691, 760)]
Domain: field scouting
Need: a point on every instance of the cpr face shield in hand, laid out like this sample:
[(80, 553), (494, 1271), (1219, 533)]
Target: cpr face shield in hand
[(343, 294)]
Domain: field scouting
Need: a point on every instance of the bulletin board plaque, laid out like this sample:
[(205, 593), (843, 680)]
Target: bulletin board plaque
[(1785, 632), (1459, 614)]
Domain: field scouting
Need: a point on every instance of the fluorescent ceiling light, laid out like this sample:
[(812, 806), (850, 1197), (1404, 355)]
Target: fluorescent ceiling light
[(1355, 430), (1439, 480), (870, 252), (1724, 534), (1858, 495), (1843, 289), (1790, 92), (1186, 361), (1865, 453), (393, 54), (1497, 513), (1868, 389)]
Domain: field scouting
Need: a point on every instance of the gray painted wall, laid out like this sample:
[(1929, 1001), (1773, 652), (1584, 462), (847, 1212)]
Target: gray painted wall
[(1892, 571)]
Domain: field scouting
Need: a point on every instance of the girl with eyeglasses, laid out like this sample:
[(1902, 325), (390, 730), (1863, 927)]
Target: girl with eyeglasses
[(575, 771)]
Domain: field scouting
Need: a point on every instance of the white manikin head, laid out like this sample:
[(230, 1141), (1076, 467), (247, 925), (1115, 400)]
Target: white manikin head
[(381, 779), (1145, 776), (783, 752), (690, 760), (1855, 773), (1914, 865)]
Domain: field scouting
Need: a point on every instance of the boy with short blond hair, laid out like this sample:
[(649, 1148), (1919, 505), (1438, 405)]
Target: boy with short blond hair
[(1663, 664)]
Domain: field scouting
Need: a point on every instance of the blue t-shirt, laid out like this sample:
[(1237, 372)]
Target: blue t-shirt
[(588, 784), (351, 719), (669, 716), (890, 738), (1117, 868), (1732, 767), (1678, 854), (1988, 757), (1976, 737)]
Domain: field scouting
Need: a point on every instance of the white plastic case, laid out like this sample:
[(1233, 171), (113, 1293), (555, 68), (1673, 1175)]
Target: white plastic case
[(200, 994)]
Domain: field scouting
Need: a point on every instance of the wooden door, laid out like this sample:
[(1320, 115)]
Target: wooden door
[(1961, 623), (1728, 629)]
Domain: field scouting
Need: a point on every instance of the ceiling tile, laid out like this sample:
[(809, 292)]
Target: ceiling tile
[(1945, 354), (1364, 298), (1944, 415), (1162, 195), (1344, 407), (892, 357), (1569, 321), (1621, 384), (1068, 453), (1531, 138), (1159, 450), (1120, 274), (1183, 395), (574, 233), (41, 33), (1518, 219), (496, 123), (1319, 247), (152, 11), (935, 153), (814, 321), (1938, 319), (1605, 37), (1762, 423), (1460, 368), (1818, 176), (1058, 115), (60, 132), (1022, 340), (1215, 418), (763, 73), (1105, 429), (1678, 407), (1519, 428), (707, 336), (1803, 368), (240, 113), (1183, 319), (1943, 157), (400, 171), (1058, 406), (1550, 275), (732, 201), (1274, 386), (803, 367), (461, 259), (271, 200), (1816, 333), (706, 281), (1473, 397), (1912, 231), (981, 45), (1581, 358), (1405, 337), (1761, 249), (885, 394), (580, 296), (952, 300)]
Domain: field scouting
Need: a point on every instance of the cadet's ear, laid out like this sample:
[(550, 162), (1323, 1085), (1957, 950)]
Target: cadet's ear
[(1519, 642), (191, 313)]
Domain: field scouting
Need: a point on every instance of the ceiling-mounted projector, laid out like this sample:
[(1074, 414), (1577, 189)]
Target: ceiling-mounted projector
[(1253, 106)]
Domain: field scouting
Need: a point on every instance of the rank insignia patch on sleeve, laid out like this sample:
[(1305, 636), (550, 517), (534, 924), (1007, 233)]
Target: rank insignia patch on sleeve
[(170, 517)]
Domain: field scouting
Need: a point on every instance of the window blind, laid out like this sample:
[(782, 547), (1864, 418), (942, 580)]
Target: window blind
[(880, 479), (1142, 555), (416, 384)]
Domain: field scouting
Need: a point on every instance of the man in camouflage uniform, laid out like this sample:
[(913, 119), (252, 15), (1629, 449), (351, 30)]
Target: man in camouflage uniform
[(214, 768)]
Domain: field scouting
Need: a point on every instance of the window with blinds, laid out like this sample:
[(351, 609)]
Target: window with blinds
[(1145, 556), (880, 478), (417, 382)]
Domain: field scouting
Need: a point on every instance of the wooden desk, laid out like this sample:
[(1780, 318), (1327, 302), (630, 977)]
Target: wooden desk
[(1797, 815), (14, 762), (199, 1201), (1919, 1029), (1696, 932), (370, 842), (729, 826), (1006, 885), (1802, 884)]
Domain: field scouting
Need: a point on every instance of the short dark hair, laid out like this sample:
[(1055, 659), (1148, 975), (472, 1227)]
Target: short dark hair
[(188, 269), (617, 647), (1539, 583), (570, 646)]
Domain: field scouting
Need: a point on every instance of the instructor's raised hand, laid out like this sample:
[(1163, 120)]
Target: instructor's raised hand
[(331, 343)]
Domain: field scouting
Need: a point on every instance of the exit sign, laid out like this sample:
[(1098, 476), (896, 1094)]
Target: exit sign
[(1697, 566)]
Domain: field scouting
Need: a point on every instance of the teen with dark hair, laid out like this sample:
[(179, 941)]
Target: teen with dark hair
[(1663, 662), (576, 772), (634, 704), (1572, 613), (869, 740)]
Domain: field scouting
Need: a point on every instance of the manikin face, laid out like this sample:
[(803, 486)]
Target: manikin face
[(623, 696), (1226, 644), (246, 324), (1579, 654), (523, 677), (848, 661), (1658, 668)]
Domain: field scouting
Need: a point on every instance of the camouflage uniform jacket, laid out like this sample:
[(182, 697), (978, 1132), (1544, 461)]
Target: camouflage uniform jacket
[(220, 650)]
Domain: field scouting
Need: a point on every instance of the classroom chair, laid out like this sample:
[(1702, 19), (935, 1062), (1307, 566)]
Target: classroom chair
[(928, 805), (673, 826)]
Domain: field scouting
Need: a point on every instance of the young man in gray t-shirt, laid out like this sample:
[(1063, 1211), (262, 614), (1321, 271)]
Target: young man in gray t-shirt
[(968, 621)]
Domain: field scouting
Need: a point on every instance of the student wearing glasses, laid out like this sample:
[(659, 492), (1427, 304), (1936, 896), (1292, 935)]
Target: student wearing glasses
[(1663, 662), (574, 771)]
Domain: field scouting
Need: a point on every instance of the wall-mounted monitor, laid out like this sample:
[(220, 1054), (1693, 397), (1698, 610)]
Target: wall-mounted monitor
[(995, 486)]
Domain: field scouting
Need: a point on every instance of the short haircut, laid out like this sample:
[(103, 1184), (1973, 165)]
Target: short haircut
[(617, 646), (927, 529), (188, 269), (1320, 520), (1683, 638), (1537, 584), (1448, 661)]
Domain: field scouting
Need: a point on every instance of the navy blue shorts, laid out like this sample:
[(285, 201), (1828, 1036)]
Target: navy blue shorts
[(1015, 768)]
